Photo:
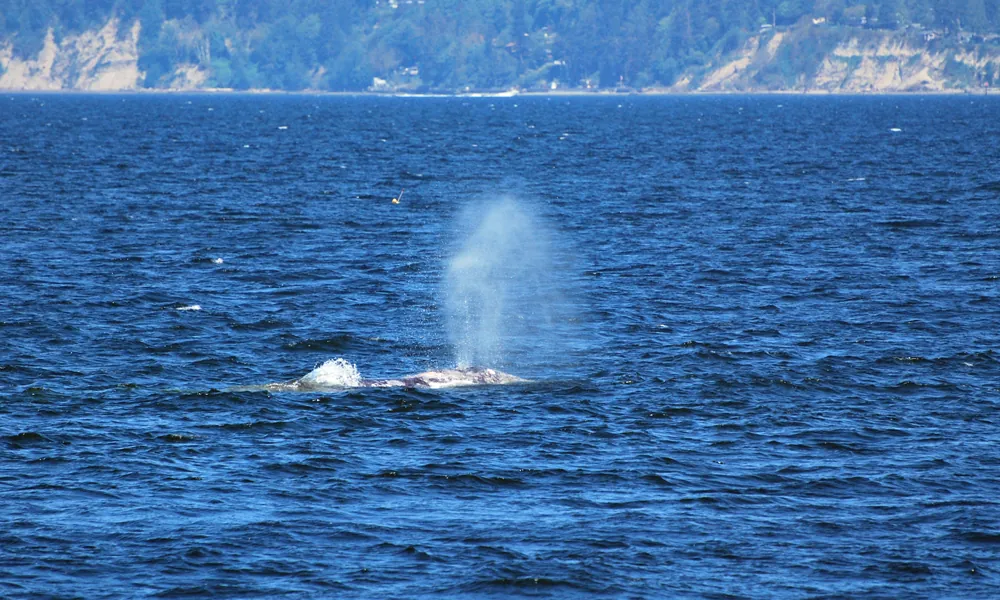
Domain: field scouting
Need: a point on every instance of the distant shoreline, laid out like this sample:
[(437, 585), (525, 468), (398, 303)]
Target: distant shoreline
[(569, 93)]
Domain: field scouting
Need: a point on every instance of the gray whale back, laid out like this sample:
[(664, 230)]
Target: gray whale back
[(447, 378), (339, 374)]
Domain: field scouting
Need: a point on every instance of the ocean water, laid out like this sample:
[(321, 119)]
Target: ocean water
[(760, 337)]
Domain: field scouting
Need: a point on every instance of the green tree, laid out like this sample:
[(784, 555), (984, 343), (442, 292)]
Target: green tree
[(974, 16), (343, 44)]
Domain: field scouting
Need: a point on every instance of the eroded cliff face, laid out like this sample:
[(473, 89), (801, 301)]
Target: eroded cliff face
[(188, 77), (854, 61), (876, 62), (106, 59)]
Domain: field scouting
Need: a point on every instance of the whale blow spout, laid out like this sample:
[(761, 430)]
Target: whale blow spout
[(498, 286)]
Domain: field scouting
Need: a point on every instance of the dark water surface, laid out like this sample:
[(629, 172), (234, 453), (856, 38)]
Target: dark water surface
[(773, 371)]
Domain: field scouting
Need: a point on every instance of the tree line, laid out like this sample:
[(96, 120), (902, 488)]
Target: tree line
[(485, 44)]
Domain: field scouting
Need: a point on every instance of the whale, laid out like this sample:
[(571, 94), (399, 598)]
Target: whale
[(448, 378), (340, 374)]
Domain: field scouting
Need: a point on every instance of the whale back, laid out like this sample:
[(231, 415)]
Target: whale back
[(448, 378)]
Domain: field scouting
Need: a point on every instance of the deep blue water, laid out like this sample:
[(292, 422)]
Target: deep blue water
[(762, 335)]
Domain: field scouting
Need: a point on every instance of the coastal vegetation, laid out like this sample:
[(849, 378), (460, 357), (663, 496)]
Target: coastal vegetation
[(448, 45)]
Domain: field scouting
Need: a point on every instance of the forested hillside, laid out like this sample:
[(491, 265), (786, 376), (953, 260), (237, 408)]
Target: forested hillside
[(428, 45)]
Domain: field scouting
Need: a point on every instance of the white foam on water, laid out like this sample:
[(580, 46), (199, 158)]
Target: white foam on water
[(192, 307), (217, 261), (336, 372)]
